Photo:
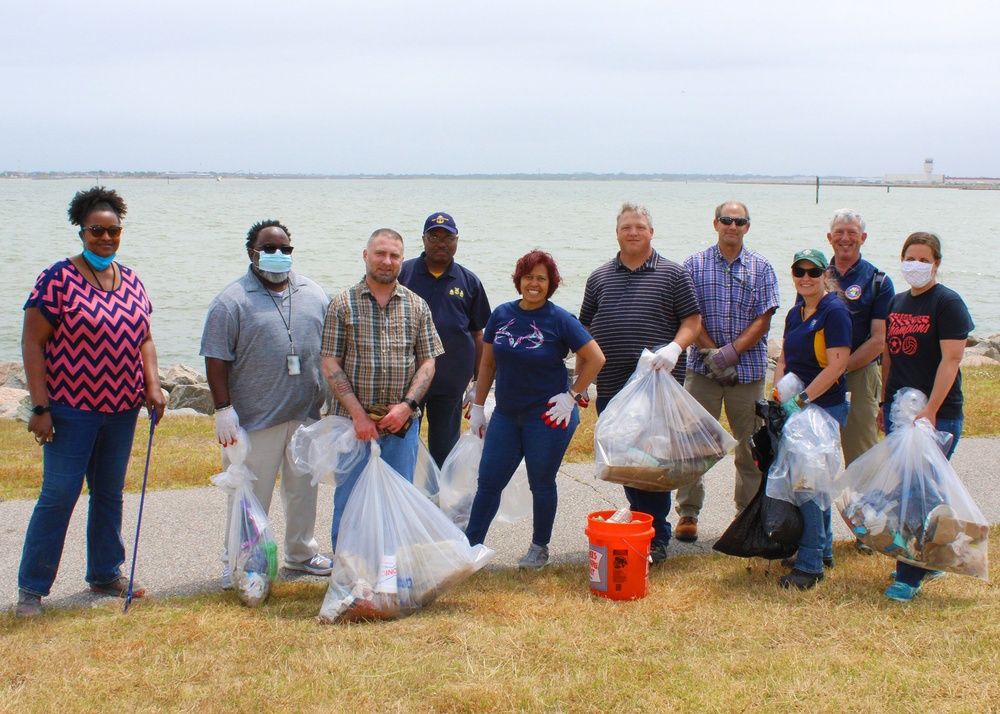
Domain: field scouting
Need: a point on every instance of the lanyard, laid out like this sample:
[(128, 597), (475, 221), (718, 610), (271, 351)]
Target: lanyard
[(277, 306)]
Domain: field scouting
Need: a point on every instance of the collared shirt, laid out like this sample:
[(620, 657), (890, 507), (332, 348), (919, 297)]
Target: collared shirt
[(858, 285), (460, 307), (379, 347), (629, 310), (247, 326), (731, 296), (806, 341)]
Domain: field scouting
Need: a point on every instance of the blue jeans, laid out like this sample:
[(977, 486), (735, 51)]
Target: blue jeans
[(400, 454), (816, 542), (444, 424), (653, 503), (912, 575), (91, 446), (510, 437)]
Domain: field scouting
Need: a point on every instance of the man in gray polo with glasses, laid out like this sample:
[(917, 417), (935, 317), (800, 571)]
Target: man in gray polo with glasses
[(261, 345)]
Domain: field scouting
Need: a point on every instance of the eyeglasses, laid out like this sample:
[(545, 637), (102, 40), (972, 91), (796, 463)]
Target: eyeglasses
[(811, 272), (431, 238), (729, 220), (99, 231), (272, 249)]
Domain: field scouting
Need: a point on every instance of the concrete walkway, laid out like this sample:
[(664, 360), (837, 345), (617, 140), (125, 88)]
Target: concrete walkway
[(181, 543)]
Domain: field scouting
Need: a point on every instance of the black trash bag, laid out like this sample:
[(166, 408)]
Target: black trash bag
[(768, 527)]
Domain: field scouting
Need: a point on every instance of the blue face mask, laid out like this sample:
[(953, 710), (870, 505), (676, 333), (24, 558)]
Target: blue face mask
[(275, 262), (99, 262)]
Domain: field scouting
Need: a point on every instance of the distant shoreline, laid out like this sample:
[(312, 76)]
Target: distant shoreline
[(981, 183)]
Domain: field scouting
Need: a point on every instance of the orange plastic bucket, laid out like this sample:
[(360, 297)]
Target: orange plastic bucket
[(619, 555)]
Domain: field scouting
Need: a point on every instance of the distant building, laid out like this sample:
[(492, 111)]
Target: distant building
[(927, 177)]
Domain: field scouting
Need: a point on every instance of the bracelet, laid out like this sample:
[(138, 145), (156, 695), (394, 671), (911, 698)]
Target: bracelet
[(224, 405)]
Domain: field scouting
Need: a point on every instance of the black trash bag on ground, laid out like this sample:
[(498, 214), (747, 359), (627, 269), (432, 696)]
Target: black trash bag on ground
[(768, 527)]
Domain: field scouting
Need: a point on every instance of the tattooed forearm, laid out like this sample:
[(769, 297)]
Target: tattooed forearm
[(339, 384), (421, 381)]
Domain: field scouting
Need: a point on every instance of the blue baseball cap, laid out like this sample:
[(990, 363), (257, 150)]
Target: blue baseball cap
[(441, 220)]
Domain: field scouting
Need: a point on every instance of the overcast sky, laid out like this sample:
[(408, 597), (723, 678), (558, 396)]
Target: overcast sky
[(834, 88)]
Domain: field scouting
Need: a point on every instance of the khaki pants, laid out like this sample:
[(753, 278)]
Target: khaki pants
[(739, 401), (298, 495), (861, 432)]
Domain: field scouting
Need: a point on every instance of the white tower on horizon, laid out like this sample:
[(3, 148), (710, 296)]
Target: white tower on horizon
[(928, 170)]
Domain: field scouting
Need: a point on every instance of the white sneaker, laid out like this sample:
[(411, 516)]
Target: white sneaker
[(319, 564)]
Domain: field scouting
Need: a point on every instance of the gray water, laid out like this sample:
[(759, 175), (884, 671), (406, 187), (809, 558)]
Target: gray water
[(186, 238)]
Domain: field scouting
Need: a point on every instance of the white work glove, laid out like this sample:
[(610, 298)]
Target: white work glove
[(470, 394), (666, 357), (477, 420), (561, 411), (227, 424)]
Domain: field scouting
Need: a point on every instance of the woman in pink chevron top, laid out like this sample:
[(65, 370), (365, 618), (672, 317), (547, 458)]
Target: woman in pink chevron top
[(91, 365)]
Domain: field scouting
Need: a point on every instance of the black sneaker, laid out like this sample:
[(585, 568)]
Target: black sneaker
[(862, 548), (657, 552), (800, 579), (28, 604)]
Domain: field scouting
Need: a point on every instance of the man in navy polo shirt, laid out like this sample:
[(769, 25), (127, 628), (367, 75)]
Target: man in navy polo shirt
[(868, 292), (460, 310)]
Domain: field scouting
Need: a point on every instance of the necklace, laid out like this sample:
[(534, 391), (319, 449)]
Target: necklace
[(97, 277)]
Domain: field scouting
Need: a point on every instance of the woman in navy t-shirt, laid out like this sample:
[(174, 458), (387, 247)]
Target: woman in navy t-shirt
[(925, 337), (525, 344), (816, 346)]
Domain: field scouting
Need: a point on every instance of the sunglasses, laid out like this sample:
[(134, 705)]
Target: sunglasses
[(729, 220), (435, 240), (99, 231), (811, 272), (272, 249)]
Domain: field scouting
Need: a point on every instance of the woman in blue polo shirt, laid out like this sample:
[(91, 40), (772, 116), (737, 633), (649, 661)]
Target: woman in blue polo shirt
[(817, 343), (524, 344)]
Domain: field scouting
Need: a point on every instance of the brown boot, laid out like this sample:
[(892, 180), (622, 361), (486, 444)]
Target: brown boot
[(687, 529)]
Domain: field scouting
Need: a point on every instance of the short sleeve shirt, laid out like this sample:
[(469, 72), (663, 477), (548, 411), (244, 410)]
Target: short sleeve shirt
[(379, 347), (914, 330), (858, 284), (248, 326), (92, 359), (806, 343), (529, 347), (459, 307), (731, 296), (630, 310)]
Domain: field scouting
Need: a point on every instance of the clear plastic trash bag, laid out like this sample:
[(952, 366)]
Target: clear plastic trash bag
[(654, 436), (426, 474), (808, 459), (397, 551), (253, 551), (460, 481), (903, 498), (325, 449)]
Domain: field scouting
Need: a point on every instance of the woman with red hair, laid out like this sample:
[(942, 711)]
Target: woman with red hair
[(525, 343)]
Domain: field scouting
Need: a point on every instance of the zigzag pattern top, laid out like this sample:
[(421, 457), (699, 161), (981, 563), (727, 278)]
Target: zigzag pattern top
[(92, 360)]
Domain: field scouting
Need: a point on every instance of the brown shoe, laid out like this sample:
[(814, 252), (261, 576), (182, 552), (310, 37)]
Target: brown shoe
[(687, 529)]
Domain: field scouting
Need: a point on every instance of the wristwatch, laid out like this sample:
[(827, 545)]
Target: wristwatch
[(580, 398), (802, 398), (38, 409), (411, 404)]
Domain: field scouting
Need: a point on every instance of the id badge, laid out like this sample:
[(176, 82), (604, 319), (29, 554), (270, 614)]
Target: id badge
[(294, 367)]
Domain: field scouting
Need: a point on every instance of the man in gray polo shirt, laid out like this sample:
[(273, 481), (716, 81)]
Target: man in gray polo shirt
[(261, 347)]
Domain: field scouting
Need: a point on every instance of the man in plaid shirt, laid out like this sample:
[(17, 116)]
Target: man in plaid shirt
[(738, 294), (379, 345)]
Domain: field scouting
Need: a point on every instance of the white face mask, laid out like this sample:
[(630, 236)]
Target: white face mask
[(917, 274)]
